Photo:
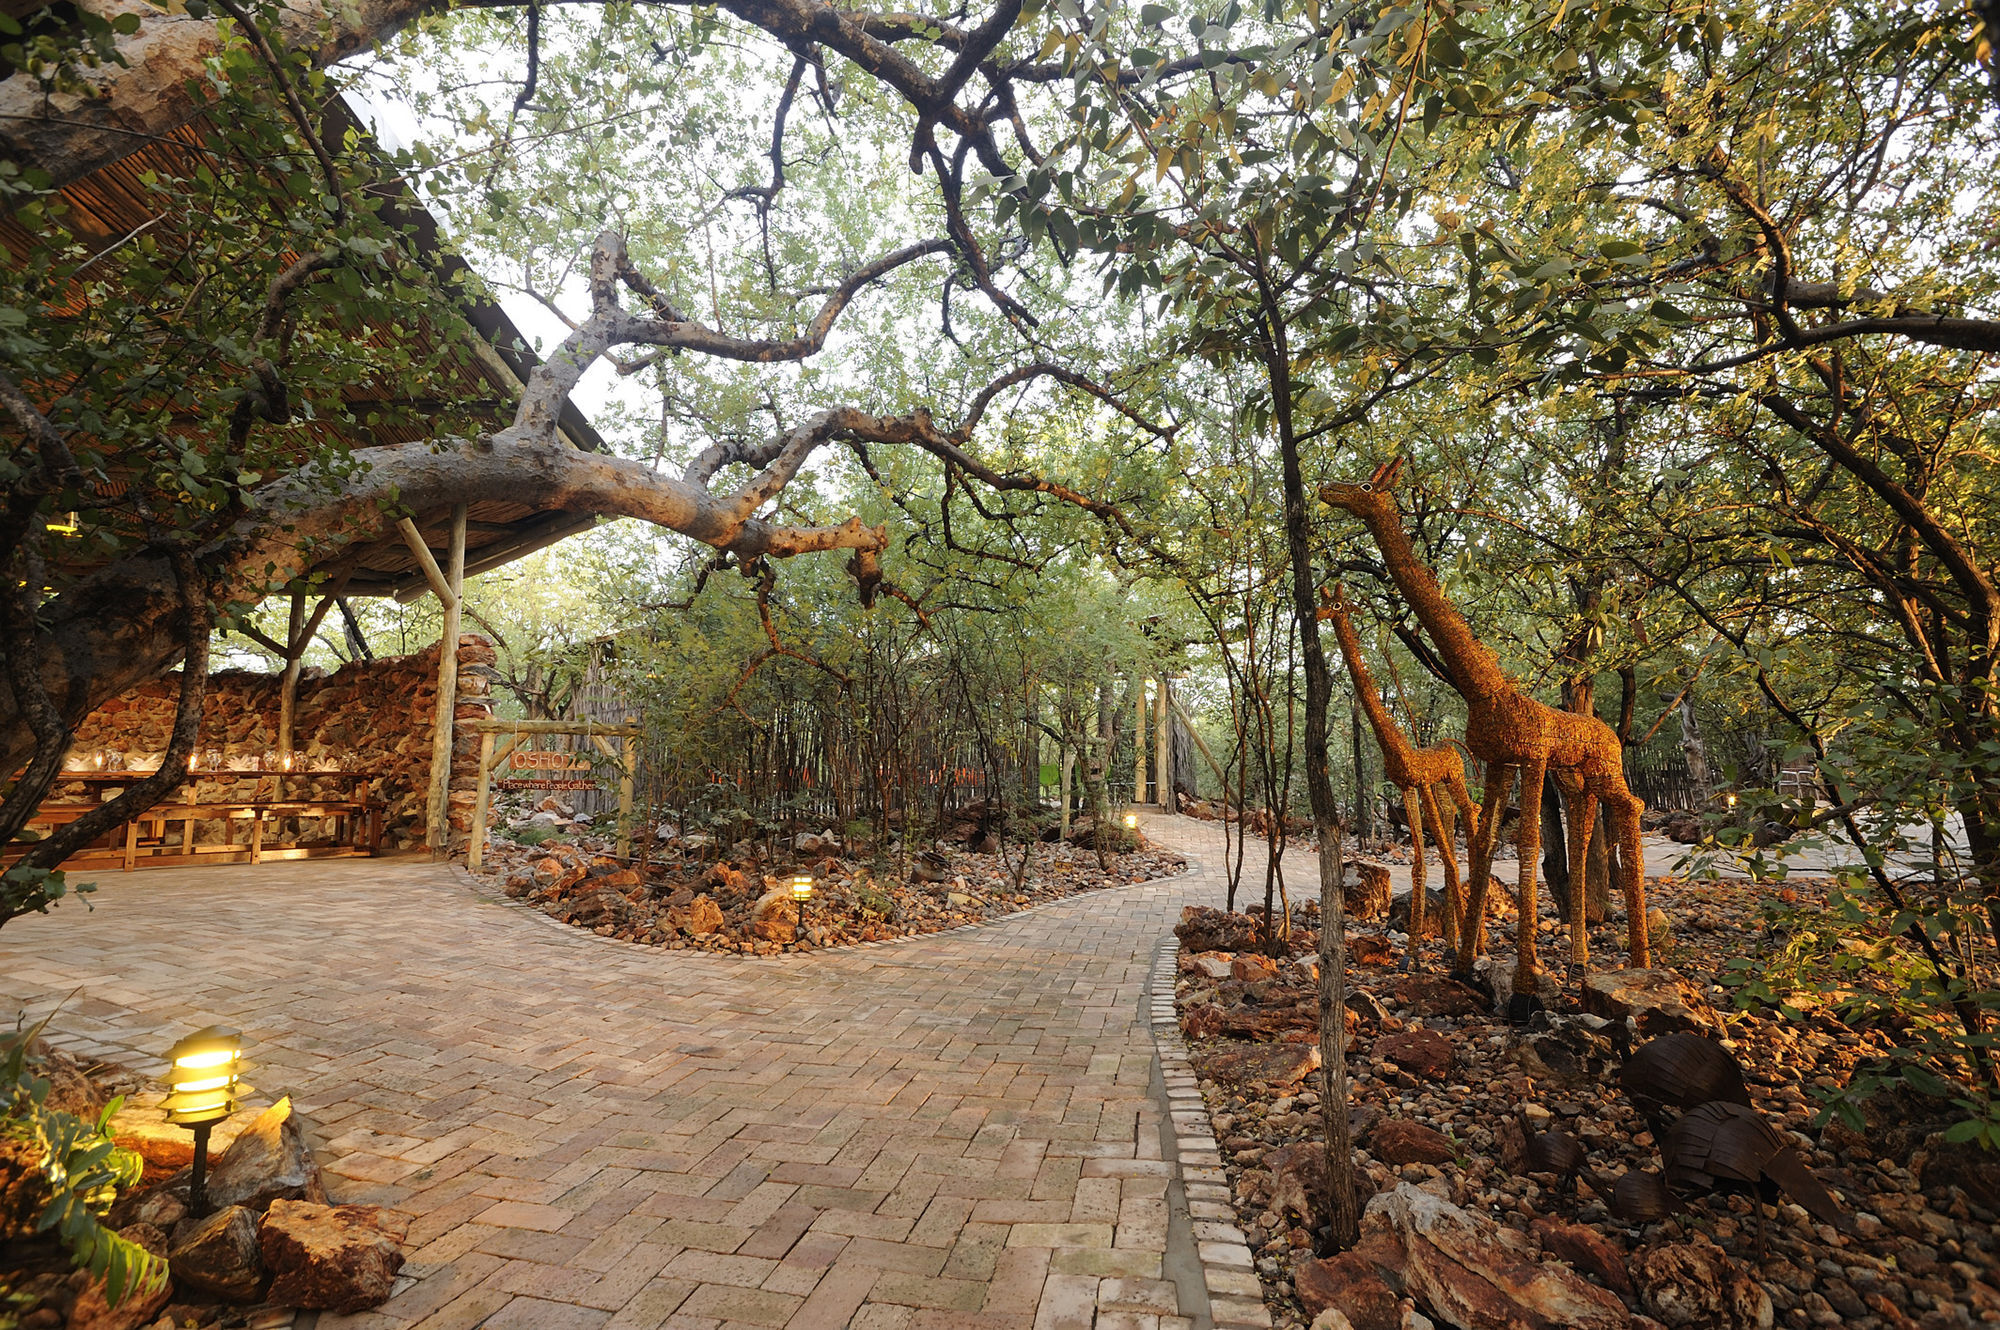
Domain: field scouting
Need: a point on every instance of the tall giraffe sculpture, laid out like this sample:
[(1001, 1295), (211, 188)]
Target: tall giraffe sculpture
[(1417, 772), (1513, 734)]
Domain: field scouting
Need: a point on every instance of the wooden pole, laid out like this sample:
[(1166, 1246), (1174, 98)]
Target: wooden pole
[(288, 682), (626, 779), (1201, 746), (476, 848), (1163, 747), (438, 815), (1139, 747), (1066, 758)]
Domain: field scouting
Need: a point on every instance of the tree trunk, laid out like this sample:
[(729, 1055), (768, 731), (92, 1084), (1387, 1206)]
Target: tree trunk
[(1693, 747), (1342, 1211), (1364, 797)]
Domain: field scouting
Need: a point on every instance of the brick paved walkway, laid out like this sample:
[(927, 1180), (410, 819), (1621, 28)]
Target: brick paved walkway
[(956, 1131)]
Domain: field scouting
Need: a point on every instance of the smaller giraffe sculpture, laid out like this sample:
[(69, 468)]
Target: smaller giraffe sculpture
[(1514, 735), (1418, 772)]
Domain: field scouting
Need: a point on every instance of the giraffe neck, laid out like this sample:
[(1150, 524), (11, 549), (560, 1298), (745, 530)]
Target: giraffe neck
[(1365, 692), (1474, 667)]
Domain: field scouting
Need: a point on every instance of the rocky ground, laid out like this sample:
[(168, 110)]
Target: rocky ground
[(269, 1241), (744, 905), (1467, 1229)]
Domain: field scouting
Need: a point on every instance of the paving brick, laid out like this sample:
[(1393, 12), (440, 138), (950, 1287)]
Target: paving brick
[(954, 1131)]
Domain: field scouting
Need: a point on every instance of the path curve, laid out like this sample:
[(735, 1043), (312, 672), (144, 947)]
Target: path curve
[(962, 1130)]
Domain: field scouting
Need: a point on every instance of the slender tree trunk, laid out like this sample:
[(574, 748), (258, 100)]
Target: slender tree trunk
[(1320, 794)]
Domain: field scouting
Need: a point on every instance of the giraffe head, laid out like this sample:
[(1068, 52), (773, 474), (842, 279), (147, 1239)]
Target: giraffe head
[(1374, 495)]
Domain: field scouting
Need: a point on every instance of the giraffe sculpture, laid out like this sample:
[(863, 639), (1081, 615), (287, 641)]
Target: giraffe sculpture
[(1417, 772), (1513, 734)]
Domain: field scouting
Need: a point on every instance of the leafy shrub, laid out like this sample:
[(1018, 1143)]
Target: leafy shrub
[(81, 1168)]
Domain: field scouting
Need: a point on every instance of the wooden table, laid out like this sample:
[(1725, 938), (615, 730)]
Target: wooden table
[(143, 837)]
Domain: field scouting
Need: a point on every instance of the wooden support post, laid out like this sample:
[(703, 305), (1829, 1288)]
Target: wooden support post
[(288, 683), (627, 778), (1163, 748), (476, 848), (449, 588), (1065, 759), (1139, 747)]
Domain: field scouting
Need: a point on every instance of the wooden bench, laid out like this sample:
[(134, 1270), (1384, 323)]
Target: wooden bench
[(144, 837)]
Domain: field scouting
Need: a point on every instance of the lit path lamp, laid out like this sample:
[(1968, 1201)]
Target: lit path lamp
[(802, 890), (203, 1078), (1131, 822)]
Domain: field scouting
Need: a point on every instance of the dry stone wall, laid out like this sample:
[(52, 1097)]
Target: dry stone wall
[(373, 715)]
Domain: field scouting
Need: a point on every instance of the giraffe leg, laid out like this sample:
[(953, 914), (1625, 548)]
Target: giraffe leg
[(1582, 820), (1623, 814), (1413, 809), (1528, 965), (1454, 894), (1472, 937)]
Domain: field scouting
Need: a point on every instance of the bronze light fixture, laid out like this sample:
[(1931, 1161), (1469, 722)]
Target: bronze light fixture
[(802, 890), (204, 1076)]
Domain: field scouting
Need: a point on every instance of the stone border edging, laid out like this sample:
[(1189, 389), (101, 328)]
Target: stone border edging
[(1235, 1293)]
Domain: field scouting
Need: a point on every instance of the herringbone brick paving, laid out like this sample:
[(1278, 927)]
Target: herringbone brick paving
[(954, 1131)]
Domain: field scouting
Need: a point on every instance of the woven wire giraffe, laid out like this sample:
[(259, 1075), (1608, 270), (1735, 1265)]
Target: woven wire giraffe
[(1513, 734), (1418, 772)]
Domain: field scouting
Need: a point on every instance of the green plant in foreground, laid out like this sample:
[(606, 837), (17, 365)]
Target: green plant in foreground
[(83, 1170)]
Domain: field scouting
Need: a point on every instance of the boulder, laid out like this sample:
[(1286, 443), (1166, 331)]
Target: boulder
[(1586, 1250), (269, 1161), (332, 1256), (775, 917), (92, 1309), (1278, 1064), (219, 1255), (1205, 929), (599, 905), (1213, 964), (70, 1090), (1434, 904), (1251, 969), (1259, 1023), (1400, 1141), (141, 1126), (1370, 949), (1425, 1054), (1469, 1272), (1694, 1285), (1298, 1181), (698, 916), (1350, 1285), (1434, 995), (1658, 1001), (1366, 894), (1203, 1020)]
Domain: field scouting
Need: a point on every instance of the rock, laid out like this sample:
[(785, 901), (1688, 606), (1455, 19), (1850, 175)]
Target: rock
[(1425, 1054), (600, 905), (959, 900), (219, 1255), (162, 1207), (139, 1125), (1367, 895), (1367, 1006), (70, 1090), (1587, 1250), (1298, 1181), (1658, 1001), (1214, 964), (1696, 1285), (269, 1161), (1204, 929), (1348, 1285), (1369, 949), (775, 917), (1434, 903), (1400, 1141), (1251, 969), (700, 915), (1512, 1143), (1942, 1164), (92, 1310), (332, 1256), (1469, 1272), (1280, 1064), (1331, 1318), (1434, 995), (1568, 1053), (1203, 1020)]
